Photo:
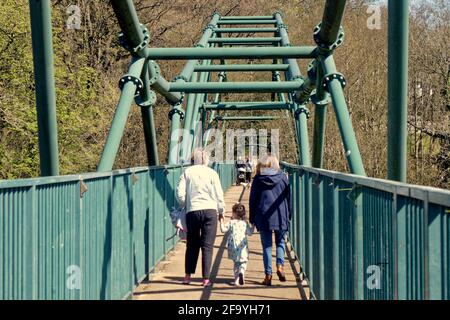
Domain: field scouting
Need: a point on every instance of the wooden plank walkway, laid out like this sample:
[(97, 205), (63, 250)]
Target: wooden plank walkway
[(165, 283)]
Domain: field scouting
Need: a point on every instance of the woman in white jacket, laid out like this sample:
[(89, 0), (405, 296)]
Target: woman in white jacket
[(200, 192)]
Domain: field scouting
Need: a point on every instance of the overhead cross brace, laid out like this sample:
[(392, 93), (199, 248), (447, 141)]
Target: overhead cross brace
[(231, 53), (252, 41), (245, 30), (245, 22), (241, 106), (260, 118), (243, 67), (298, 88), (235, 87)]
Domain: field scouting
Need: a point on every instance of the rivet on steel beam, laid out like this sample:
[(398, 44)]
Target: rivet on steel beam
[(149, 102), (139, 47), (328, 47), (334, 76), (174, 111), (136, 81), (300, 110)]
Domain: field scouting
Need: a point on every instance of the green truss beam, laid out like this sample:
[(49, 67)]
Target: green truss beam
[(121, 116), (231, 53), (321, 83), (398, 11), (251, 41), (246, 22), (243, 67), (235, 87), (255, 118), (241, 106), (41, 31), (246, 18), (245, 30)]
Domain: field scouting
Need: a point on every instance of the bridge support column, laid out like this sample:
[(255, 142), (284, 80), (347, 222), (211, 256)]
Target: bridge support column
[(321, 99), (294, 70), (302, 116), (41, 30), (191, 114), (398, 89), (146, 102), (199, 102), (130, 84), (148, 123), (222, 78), (335, 87), (190, 105), (174, 138), (320, 118)]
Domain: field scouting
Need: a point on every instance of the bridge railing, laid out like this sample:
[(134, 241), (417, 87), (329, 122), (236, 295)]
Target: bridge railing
[(92, 236), (364, 238)]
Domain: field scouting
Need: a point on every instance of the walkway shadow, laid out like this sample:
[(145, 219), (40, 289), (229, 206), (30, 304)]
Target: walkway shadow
[(107, 250), (292, 259), (252, 295), (198, 287), (215, 269)]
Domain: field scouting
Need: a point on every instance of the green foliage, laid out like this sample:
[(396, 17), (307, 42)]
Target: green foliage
[(18, 128), (77, 87), (89, 62)]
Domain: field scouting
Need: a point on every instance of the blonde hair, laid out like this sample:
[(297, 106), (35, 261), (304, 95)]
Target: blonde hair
[(200, 156), (268, 161), (258, 168)]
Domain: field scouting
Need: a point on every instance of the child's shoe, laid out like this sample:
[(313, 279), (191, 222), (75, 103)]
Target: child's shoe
[(236, 281)]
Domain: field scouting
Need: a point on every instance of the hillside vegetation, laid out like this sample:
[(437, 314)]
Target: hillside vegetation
[(89, 62)]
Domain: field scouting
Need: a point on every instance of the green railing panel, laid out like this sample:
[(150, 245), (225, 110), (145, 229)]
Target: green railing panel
[(227, 173), (90, 236), (346, 228), (159, 180), (151, 236), (97, 229), (140, 225), (121, 257)]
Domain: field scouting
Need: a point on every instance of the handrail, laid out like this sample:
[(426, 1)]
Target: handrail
[(436, 195), (111, 226), (364, 238), (28, 182)]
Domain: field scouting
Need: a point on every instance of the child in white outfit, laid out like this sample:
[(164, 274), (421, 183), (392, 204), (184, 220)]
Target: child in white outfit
[(238, 229)]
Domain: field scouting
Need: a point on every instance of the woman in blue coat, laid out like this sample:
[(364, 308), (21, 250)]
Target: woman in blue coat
[(270, 212)]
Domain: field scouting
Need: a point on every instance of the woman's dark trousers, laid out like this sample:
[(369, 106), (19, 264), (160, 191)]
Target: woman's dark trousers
[(202, 228)]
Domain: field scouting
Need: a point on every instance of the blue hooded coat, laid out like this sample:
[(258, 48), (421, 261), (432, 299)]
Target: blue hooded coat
[(270, 202)]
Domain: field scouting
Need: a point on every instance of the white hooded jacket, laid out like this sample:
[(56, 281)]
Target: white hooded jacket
[(199, 188)]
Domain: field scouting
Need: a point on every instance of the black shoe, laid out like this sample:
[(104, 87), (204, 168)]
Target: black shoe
[(241, 279)]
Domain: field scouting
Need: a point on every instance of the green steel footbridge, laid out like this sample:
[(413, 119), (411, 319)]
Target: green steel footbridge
[(112, 226)]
